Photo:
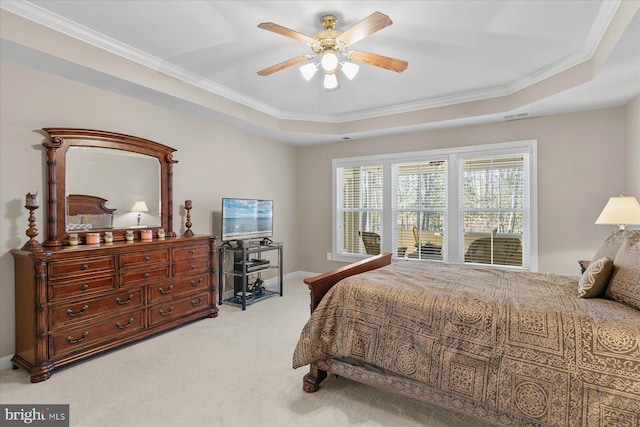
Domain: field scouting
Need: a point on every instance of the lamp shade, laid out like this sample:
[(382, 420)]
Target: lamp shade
[(140, 206), (620, 211)]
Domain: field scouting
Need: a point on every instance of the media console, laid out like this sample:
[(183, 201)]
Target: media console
[(245, 271)]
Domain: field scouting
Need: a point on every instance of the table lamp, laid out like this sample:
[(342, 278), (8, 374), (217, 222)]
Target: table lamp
[(139, 206), (621, 211)]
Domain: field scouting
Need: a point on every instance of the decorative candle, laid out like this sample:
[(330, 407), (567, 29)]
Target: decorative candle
[(129, 236), (32, 200), (146, 235), (108, 237), (73, 239), (92, 238), (161, 233)]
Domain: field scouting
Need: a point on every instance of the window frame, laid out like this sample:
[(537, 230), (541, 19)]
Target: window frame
[(451, 155)]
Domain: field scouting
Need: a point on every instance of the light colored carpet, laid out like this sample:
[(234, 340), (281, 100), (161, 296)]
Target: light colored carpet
[(231, 371)]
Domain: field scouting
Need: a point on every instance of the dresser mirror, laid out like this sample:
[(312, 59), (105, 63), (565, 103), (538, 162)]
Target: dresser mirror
[(98, 180), (109, 172)]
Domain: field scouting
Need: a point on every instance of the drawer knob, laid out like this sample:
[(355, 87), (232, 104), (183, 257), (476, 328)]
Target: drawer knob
[(72, 340), (127, 301), (164, 291), (192, 266), (198, 283), (146, 258), (145, 275), (192, 251), (82, 310), (197, 302), (84, 267), (121, 326), (84, 287), (166, 313)]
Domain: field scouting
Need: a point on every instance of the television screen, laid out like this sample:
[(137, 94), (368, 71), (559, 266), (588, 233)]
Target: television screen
[(244, 219)]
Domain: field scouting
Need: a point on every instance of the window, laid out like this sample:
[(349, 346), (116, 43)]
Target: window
[(420, 208), (472, 204), (494, 212), (359, 209)]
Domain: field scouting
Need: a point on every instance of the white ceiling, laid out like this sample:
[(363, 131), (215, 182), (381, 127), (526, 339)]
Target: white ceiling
[(526, 53)]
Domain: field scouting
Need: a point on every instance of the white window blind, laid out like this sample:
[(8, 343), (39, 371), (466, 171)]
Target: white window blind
[(420, 208), (359, 209), (474, 204), (494, 209)]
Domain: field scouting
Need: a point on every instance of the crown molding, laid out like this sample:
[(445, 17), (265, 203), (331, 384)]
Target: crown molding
[(70, 28)]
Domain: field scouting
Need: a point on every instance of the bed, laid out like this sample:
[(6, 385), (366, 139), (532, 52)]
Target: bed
[(511, 348), (86, 212)]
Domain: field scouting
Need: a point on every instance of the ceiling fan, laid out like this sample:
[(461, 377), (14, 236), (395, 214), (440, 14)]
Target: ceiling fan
[(332, 48)]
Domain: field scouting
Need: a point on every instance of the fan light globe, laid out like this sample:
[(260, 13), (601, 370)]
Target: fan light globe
[(308, 71), (330, 81), (350, 69), (329, 61)]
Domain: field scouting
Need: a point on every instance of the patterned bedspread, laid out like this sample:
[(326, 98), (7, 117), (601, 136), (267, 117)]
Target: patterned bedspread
[(490, 342)]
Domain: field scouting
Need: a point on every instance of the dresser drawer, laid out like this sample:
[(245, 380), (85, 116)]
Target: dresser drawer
[(81, 266), (77, 339), (79, 288), (62, 315), (164, 291), (200, 251), (190, 266), (143, 258), (172, 310), (153, 273)]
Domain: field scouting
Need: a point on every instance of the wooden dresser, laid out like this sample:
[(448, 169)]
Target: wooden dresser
[(75, 302)]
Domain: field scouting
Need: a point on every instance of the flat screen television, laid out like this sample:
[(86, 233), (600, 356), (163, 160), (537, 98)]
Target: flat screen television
[(244, 219)]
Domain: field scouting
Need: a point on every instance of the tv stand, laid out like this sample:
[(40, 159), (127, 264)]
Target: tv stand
[(246, 266)]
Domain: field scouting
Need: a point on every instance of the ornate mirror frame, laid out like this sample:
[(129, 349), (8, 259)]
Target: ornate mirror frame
[(56, 149)]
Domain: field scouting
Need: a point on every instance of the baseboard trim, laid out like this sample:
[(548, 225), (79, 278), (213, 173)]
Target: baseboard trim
[(5, 362)]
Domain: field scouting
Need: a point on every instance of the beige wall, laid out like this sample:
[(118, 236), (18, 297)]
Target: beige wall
[(632, 149), (580, 165), (213, 161), (581, 158)]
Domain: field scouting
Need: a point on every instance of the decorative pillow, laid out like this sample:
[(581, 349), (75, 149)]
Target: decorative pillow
[(74, 219), (98, 220), (611, 245), (595, 278), (625, 280)]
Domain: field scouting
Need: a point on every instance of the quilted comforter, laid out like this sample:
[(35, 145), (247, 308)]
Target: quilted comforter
[(513, 348)]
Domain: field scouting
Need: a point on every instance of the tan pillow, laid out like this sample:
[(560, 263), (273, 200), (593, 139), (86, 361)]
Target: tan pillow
[(595, 278), (97, 220), (611, 245), (625, 280)]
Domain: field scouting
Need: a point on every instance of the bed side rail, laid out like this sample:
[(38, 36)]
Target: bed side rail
[(320, 285)]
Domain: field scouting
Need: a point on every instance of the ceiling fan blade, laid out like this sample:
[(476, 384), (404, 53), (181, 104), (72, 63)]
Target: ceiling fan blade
[(282, 65), (369, 25), (279, 29), (392, 64)]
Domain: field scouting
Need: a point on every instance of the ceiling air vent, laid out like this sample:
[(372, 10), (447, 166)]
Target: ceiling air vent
[(516, 116)]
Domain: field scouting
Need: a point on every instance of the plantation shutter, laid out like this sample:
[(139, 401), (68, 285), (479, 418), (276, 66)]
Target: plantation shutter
[(494, 210), (359, 209)]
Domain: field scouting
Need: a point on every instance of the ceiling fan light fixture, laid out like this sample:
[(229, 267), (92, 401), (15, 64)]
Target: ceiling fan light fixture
[(329, 61), (349, 69), (331, 81), (308, 71)]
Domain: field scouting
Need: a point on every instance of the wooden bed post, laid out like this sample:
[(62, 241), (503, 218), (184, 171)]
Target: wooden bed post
[(319, 286)]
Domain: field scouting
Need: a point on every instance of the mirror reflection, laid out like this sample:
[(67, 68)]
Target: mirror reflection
[(126, 187)]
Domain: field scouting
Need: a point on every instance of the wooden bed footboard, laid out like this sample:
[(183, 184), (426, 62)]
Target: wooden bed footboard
[(319, 286)]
